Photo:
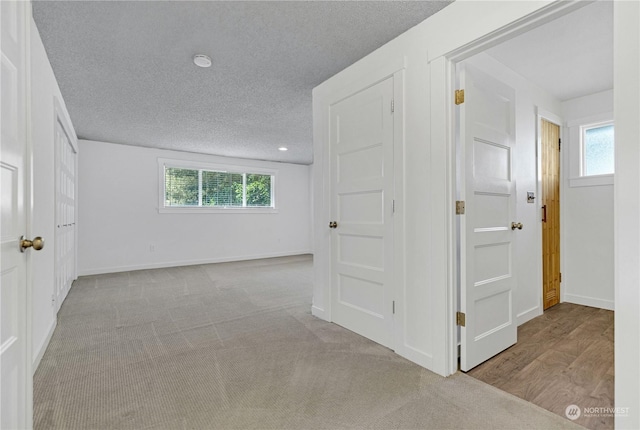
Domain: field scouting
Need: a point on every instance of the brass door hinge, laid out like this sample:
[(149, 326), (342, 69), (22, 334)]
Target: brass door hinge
[(460, 319), (459, 207), (459, 97)]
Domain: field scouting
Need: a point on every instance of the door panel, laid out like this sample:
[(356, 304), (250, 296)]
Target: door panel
[(15, 373), (362, 185), (551, 210), (487, 138)]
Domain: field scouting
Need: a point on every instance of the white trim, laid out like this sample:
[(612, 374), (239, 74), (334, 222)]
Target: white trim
[(592, 181), (217, 210), (29, 203), (318, 313), (589, 301), (443, 221), (43, 346), (116, 269), (592, 119), (419, 357), (529, 314), (217, 167)]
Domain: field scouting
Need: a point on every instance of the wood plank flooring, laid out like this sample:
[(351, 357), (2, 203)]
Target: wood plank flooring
[(563, 357)]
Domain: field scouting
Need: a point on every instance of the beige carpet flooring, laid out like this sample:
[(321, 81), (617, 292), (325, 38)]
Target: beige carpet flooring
[(234, 346)]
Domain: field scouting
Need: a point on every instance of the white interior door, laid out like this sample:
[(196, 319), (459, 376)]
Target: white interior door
[(362, 207), (65, 214), (487, 269), (14, 362)]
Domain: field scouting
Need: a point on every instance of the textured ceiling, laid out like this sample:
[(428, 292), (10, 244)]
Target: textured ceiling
[(569, 57), (126, 73)]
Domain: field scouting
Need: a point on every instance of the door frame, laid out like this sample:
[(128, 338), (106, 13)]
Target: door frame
[(554, 119), (443, 129)]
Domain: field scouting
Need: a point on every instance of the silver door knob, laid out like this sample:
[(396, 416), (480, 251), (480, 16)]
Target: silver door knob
[(333, 224), (515, 225)]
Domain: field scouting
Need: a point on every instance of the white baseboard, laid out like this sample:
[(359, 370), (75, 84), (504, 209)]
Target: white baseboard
[(44, 345), (319, 313), (529, 314), (421, 358), (116, 269), (589, 301)]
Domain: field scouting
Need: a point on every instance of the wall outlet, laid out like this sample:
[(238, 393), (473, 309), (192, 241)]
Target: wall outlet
[(152, 248)]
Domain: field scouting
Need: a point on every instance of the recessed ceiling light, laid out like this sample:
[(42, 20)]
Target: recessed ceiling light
[(202, 60), (283, 148)]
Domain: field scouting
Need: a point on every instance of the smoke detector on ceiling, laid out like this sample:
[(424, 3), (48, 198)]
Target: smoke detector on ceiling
[(283, 148), (202, 60)]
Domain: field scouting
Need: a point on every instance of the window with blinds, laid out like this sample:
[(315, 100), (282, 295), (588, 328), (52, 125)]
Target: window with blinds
[(203, 188)]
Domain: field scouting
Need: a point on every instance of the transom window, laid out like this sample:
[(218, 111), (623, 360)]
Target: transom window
[(598, 149), (189, 186)]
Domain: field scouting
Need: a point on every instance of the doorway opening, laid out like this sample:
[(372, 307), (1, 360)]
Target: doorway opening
[(557, 94)]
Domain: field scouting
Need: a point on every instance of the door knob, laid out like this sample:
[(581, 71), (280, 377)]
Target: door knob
[(515, 225), (333, 224), (37, 243)]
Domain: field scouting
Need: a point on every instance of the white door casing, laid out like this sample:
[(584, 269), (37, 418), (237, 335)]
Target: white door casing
[(65, 214), (362, 181), (15, 363), (487, 270)]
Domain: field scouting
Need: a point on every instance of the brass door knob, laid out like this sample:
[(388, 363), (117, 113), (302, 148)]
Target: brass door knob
[(333, 224), (37, 243), (515, 225)]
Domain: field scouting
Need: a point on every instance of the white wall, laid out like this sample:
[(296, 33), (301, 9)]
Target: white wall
[(587, 225), (626, 61), (46, 105), (119, 221)]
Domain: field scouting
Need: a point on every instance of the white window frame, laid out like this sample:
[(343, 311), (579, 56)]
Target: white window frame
[(164, 163), (577, 131)]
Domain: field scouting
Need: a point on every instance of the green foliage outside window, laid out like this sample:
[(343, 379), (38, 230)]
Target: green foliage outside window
[(258, 190), (181, 187), (206, 188)]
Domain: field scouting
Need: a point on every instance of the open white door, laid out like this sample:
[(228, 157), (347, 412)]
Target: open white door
[(487, 269), (15, 377), (362, 207)]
